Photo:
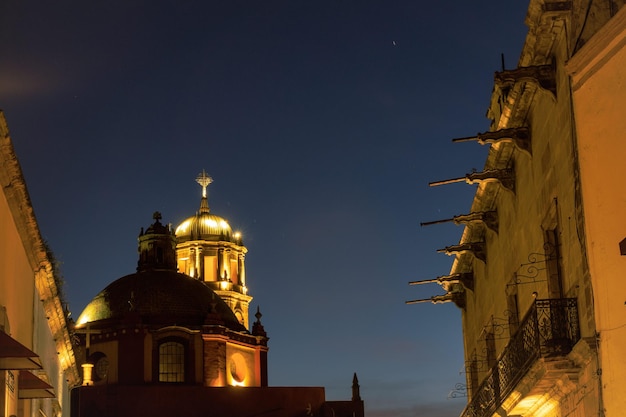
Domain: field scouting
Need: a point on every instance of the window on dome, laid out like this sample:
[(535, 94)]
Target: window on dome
[(171, 362)]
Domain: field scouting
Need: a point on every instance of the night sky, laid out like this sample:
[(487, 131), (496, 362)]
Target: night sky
[(321, 123)]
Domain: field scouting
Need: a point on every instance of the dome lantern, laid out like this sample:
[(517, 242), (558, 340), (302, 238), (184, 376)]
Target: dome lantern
[(208, 250), (157, 247)]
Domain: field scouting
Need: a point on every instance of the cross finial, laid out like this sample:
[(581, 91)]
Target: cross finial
[(204, 180), (156, 216)]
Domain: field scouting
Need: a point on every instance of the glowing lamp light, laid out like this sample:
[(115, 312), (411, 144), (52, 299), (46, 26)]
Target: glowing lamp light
[(237, 235), (541, 405), (87, 370), (223, 285)]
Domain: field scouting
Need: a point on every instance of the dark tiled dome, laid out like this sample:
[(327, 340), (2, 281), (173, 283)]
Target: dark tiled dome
[(162, 298)]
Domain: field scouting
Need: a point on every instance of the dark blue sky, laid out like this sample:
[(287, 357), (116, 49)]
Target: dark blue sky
[(321, 122)]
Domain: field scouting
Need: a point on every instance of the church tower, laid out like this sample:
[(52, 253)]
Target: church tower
[(209, 251)]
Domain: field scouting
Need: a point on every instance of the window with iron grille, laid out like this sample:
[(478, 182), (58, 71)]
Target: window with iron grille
[(171, 362)]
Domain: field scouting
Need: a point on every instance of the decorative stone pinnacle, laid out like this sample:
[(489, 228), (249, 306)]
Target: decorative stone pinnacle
[(257, 327)]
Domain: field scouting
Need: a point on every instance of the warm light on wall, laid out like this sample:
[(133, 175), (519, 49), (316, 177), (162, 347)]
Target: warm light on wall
[(238, 370), (537, 405), (224, 285)]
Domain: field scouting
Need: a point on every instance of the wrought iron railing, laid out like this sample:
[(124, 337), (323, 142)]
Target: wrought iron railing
[(549, 329)]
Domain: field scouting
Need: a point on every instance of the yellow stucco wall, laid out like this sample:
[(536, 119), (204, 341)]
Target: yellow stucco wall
[(17, 281), (17, 292), (599, 77)]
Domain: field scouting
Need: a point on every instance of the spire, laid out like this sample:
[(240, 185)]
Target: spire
[(356, 396), (204, 180)]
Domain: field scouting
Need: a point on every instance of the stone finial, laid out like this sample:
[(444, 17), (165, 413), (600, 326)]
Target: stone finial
[(257, 327)]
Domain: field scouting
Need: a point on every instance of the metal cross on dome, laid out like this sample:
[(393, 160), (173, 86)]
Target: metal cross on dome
[(204, 180)]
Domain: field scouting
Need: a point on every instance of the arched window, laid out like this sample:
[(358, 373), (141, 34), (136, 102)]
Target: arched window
[(171, 362), (100, 366)]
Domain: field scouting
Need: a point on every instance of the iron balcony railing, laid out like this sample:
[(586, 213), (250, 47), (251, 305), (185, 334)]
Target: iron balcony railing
[(549, 329)]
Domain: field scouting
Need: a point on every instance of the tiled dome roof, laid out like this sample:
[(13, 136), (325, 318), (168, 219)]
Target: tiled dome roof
[(163, 298)]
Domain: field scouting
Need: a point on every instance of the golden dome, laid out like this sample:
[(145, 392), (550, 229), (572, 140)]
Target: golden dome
[(204, 226)]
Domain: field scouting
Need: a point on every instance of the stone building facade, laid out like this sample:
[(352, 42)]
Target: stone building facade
[(538, 272), (598, 78)]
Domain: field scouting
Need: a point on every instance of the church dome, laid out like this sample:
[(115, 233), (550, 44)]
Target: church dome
[(161, 298), (157, 295), (204, 226)]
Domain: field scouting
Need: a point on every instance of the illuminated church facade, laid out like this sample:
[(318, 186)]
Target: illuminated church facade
[(173, 338)]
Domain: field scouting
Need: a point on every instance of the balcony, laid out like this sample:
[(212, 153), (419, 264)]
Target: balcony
[(549, 331)]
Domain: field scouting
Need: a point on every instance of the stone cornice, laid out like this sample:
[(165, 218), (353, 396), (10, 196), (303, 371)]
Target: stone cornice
[(598, 50), (16, 193)]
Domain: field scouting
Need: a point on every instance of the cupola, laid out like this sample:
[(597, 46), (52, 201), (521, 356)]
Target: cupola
[(210, 252), (157, 247)]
